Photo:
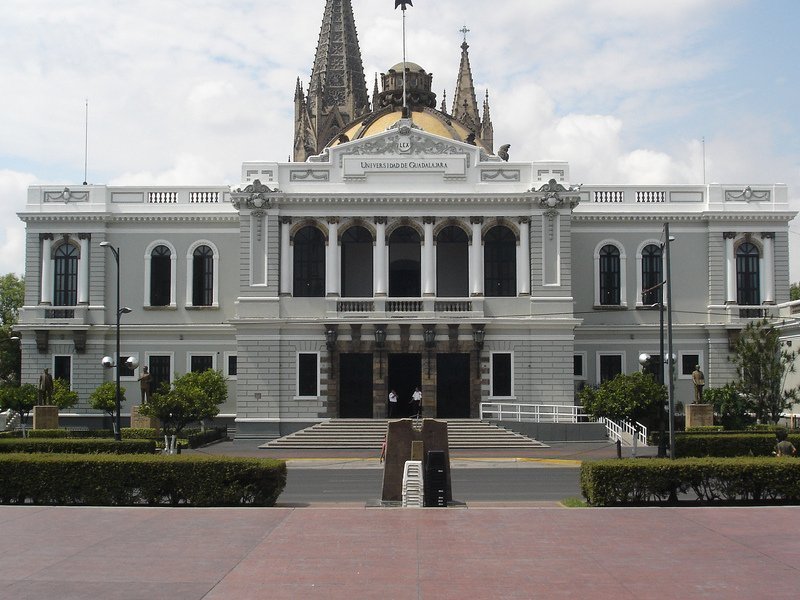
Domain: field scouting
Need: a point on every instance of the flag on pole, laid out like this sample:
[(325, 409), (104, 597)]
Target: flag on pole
[(402, 4)]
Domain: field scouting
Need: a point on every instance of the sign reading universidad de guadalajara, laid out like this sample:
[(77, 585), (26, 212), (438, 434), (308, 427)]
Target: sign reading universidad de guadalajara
[(360, 166)]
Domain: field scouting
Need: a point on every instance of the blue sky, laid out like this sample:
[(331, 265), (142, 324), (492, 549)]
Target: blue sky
[(183, 92)]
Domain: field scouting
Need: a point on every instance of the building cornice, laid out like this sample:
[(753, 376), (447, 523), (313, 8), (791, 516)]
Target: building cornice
[(702, 217), (129, 218)]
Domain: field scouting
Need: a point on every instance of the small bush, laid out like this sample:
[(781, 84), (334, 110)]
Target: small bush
[(123, 480), (705, 429), (705, 480), (201, 438), (727, 444), (77, 446)]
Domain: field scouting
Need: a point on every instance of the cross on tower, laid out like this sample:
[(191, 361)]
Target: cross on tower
[(465, 31)]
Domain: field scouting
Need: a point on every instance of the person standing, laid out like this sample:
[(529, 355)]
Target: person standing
[(144, 384), (416, 403), (392, 403)]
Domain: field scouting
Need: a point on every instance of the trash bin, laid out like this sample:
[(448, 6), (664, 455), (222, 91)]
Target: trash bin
[(435, 481)]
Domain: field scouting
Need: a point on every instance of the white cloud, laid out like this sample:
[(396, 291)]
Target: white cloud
[(13, 193)]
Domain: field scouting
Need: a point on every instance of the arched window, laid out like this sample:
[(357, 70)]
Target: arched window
[(161, 275), (747, 275), (309, 263), (404, 263), (65, 275), (609, 275), (651, 274), (452, 263), (203, 276), (357, 263), (500, 262)]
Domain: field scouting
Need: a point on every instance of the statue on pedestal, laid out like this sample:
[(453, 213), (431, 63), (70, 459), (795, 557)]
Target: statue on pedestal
[(45, 388), (699, 380), (144, 384)]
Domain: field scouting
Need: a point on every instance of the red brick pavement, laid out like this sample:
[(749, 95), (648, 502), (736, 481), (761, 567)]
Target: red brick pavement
[(68, 553)]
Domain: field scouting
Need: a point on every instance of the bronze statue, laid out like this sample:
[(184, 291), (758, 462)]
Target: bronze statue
[(144, 384), (699, 381), (45, 388)]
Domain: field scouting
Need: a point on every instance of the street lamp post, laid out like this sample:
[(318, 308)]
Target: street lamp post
[(115, 363), (670, 355)]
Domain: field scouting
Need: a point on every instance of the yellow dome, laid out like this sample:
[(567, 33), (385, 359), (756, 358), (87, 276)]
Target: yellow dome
[(429, 120)]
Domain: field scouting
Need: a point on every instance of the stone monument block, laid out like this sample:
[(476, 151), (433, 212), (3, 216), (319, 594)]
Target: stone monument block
[(45, 417), (140, 421), (699, 415)]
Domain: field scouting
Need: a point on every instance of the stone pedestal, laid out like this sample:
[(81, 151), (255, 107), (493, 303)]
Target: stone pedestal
[(45, 417), (699, 415), (140, 421)]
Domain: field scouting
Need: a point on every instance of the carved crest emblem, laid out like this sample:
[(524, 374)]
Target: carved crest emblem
[(404, 144)]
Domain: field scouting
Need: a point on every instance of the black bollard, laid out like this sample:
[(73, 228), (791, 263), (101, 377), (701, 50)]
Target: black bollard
[(619, 449)]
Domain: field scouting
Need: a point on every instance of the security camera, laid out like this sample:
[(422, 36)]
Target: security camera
[(107, 362), (132, 362)]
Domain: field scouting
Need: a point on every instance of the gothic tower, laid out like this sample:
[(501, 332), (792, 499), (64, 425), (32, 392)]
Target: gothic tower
[(465, 104), (337, 92)]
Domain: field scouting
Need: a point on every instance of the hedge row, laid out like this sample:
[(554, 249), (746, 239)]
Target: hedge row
[(77, 446), (127, 433), (201, 438), (728, 445), (124, 480), (704, 480)]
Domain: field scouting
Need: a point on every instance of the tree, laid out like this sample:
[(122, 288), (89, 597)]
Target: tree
[(733, 408), (191, 398), (762, 367), (63, 397), (12, 297), (19, 398), (794, 291), (104, 397), (633, 396)]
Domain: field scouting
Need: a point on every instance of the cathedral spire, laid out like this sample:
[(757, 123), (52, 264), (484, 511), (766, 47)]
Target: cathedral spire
[(337, 92), (465, 105)]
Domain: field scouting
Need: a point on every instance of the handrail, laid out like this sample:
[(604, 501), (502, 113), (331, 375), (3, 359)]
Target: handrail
[(559, 413)]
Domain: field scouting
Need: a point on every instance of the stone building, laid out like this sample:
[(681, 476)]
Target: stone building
[(397, 250)]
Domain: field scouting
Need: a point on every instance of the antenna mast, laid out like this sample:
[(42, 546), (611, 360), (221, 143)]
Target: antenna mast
[(403, 5)]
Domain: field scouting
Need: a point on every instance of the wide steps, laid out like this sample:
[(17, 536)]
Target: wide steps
[(359, 434)]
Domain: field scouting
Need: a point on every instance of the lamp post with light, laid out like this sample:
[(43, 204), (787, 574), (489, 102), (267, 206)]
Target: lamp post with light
[(109, 362)]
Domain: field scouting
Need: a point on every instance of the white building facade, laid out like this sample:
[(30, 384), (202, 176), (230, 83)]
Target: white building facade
[(400, 252)]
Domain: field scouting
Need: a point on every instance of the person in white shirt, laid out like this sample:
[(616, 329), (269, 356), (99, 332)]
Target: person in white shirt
[(392, 403), (416, 402)]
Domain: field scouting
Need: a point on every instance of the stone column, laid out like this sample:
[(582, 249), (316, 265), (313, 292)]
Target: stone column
[(47, 268), (332, 258), (476, 258), (83, 269), (286, 265), (428, 259), (730, 268), (768, 239), (380, 258), (524, 258)]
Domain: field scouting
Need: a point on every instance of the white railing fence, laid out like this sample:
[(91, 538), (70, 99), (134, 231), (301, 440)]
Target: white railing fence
[(559, 413)]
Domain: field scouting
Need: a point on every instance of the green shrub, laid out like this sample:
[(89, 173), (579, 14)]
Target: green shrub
[(77, 446), (201, 438), (705, 429), (110, 480), (705, 480), (727, 444)]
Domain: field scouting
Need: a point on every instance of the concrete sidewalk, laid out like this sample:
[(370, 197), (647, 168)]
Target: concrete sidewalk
[(330, 553)]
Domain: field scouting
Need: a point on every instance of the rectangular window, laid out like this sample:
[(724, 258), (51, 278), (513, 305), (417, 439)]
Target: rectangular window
[(160, 370), (308, 375), (688, 363), (62, 368), (200, 362), (610, 366), (232, 364), (125, 372), (501, 375), (577, 366), (652, 366)]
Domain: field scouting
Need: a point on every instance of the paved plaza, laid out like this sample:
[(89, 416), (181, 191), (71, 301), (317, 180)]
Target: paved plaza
[(353, 552)]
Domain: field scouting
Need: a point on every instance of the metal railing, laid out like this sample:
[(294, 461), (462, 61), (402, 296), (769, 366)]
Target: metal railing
[(560, 413)]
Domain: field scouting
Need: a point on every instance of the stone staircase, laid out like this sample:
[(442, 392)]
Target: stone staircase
[(368, 434)]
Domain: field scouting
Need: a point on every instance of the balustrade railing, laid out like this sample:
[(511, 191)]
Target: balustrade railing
[(404, 306), (162, 197), (203, 197), (355, 306), (453, 306), (651, 197), (607, 196)]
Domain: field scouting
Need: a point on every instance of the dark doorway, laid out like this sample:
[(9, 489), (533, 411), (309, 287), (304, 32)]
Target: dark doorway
[(452, 386), (405, 373), (355, 386), (404, 264)]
